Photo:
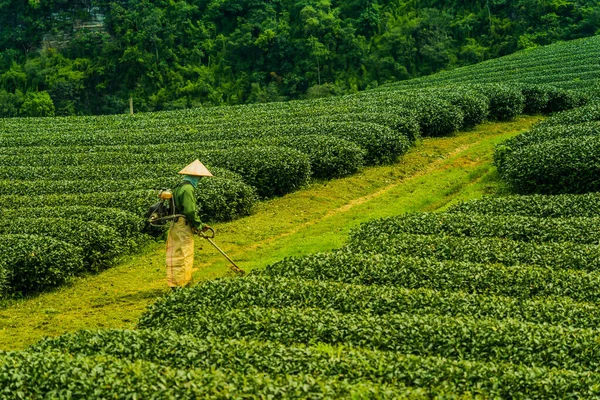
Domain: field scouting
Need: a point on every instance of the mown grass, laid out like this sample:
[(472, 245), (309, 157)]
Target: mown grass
[(433, 175)]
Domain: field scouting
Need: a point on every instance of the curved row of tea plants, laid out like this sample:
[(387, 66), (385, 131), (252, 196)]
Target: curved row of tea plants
[(559, 155), (555, 206), (432, 374), (520, 281), (105, 377), (571, 65), (270, 291), (514, 227)]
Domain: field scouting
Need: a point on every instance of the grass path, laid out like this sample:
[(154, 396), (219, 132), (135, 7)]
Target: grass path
[(433, 175)]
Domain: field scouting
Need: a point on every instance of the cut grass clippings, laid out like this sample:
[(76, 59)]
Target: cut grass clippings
[(431, 176)]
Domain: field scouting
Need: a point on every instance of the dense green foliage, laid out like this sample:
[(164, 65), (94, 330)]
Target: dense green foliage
[(108, 377), (565, 205), (522, 228), (559, 155), (33, 263), (435, 373), (255, 151), (276, 292), (568, 65), (521, 281), (481, 250), (67, 58), (487, 303)]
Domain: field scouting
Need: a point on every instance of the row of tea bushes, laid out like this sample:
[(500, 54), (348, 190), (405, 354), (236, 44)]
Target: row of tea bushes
[(559, 155), (554, 206), (434, 375), (514, 227), (269, 291), (570, 65), (102, 377), (520, 281)]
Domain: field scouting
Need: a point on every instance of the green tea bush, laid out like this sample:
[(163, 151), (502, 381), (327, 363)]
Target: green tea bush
[(474, 105), (269, 292), (520, 281), (354, 364), (125, 223), (514, 227), (541, 206), (462, 338), (381, 143), (331, 157), (27, 375), (568, 165), (224, 200), (438, 117), (536, 98), (32, 263), (544, 134), (100, 244), (564, 255), (136, 202), (271, 170), (587, 113), (506, 101), (561, 100)]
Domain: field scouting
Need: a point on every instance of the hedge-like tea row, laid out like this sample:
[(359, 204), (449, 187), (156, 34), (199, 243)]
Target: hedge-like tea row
[(271, 170), (382, 144), (425, 335), (474, 104), (31, 263), (565, 255), (522, 281), (280, 292), (570, 64), (27, 375), (543, 134), (506, 101), (136, 202), (438, 117), (558, 166), (330, 157), (100, 244), (354, 364), (126, 223), (514, 227), (560, 155), (219, 199), (542, 206), (587, 113)]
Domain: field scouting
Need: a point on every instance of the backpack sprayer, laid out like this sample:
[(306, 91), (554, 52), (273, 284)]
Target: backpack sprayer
[(163, 212)]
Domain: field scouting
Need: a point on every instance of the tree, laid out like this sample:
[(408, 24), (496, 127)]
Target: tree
[(37, 104)]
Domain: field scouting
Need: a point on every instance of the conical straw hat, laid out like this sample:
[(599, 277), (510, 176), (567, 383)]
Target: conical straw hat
[(196, 169)]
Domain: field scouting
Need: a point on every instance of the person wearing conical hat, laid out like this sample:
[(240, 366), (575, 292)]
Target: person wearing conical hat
[(180, 241)]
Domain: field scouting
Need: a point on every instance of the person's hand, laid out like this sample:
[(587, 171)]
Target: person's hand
[(206, 228)]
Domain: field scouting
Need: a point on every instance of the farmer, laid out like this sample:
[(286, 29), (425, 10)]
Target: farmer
[(180, 242)]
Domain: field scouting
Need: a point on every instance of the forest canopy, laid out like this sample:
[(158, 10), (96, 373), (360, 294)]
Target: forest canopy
[(77, 57)]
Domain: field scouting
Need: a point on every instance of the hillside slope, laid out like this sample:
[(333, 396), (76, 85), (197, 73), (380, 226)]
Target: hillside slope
[(569, 65)]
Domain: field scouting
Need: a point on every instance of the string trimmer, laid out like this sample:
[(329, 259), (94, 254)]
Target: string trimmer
[(160, 213), (233, 265)]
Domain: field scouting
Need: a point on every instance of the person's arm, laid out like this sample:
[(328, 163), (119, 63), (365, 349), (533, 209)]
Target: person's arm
[(190, 208)]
